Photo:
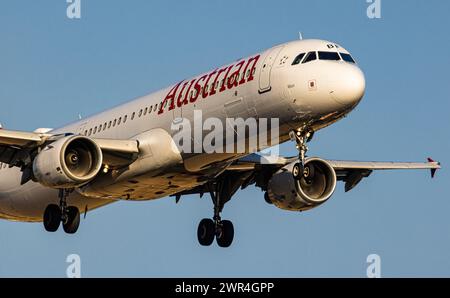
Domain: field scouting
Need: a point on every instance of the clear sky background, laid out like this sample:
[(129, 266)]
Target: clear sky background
[(53, 68)]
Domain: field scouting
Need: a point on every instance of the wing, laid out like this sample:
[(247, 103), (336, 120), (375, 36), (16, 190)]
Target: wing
[(21, 139), (17, 147), (350, 172)]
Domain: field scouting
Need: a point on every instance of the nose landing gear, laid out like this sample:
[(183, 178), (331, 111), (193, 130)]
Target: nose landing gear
[(69, 216), (301, 137)]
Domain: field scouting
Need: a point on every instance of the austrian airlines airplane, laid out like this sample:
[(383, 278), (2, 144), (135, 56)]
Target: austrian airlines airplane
[(130, 152)]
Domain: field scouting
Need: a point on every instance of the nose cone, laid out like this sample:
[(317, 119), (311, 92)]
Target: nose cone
[(348, 85)]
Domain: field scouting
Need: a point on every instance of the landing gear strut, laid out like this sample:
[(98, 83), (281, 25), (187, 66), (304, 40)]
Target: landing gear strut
[(68, 215), (301, 137), (222, 230)]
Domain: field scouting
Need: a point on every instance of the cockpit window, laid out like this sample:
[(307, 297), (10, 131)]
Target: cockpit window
[(329, 56), (310, 57), (347, 57), (298, 59)]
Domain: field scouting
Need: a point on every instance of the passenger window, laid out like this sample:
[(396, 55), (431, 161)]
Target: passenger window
[(125, 118), (90, 131), (310, 57), (114, 123), (329, 56), (104, 126), (132, 115), (140, 113), (145, 111), (347, 57), (109, 124), (150, 109), (298, 59), (100, 128), (154, 109), (120, 121), (95, 130)]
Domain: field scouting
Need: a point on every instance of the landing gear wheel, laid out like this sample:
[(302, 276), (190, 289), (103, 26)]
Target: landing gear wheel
[(225, 233), (206, 232), (72, 221), (52, 218), (308, 173), (297, 171)]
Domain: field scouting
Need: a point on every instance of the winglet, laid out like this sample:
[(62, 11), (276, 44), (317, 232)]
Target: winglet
[(433, 171)]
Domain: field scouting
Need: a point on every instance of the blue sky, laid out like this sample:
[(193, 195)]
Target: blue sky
[(53, 68)]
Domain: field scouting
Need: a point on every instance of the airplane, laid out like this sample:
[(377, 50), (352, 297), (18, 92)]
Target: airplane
[(129, 152)]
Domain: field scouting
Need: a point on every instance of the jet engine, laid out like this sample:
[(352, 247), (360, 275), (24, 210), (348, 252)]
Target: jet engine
[(313, 188), (68, 162)]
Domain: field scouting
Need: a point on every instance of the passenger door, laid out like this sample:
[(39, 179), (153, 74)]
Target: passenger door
[(266, 69)]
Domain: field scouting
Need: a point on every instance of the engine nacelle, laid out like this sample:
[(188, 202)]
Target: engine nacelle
[(287, 193), (68, 162)]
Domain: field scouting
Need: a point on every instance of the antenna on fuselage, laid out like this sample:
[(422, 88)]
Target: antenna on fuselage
[(300, 35)]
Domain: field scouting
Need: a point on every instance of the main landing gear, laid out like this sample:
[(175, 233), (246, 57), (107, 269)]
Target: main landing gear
[(222, 230), (300, 170), (69, 216)]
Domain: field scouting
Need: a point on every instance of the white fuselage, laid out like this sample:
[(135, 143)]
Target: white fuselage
[(266, 85)]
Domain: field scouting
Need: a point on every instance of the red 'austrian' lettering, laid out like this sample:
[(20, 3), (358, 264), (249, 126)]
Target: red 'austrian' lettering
[(170, 96), (213, 90), (205, 90), (197, 88), (233, 79), (250, 78), (185, 100), (201, 85)]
